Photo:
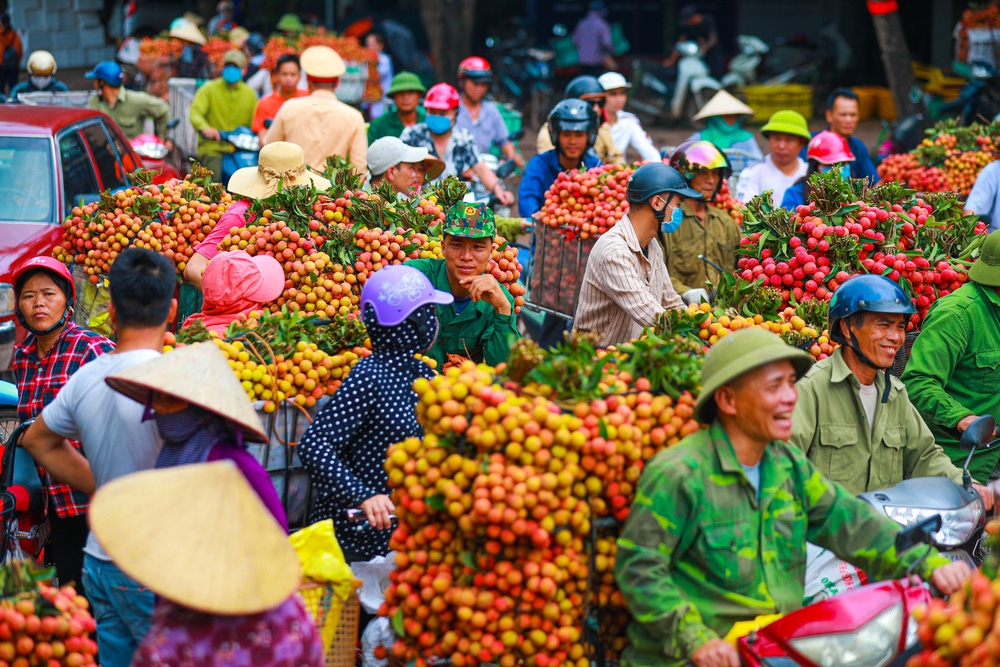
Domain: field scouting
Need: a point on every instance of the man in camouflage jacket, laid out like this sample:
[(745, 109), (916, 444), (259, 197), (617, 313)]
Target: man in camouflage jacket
[(717, 533)]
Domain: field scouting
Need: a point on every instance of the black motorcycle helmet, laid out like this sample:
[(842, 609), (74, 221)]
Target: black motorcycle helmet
[(584, 87), (573, 115), (654, 179)]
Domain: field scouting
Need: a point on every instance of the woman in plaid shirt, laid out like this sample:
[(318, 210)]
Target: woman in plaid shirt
[(53, 350)]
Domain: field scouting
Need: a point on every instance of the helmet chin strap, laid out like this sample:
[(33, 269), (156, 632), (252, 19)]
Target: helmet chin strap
[(54, 327), (855, 347)]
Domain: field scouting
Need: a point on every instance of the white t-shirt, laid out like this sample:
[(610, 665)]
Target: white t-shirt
[(764, 175), (109, 425), (627, 131), (869, 399)]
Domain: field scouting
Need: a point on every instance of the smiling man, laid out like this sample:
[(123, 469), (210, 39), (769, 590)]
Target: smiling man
[(716, 534), (480, 324)]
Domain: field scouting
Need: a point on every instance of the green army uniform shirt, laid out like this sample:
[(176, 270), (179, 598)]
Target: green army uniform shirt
[(224, 108), (389, 125), (830, 426), (717, 239), (954, 369), (131, 110), (479, 332), (699, 552)]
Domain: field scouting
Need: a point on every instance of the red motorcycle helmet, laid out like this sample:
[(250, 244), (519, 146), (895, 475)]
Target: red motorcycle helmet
[(829, 148), (475, 68), (441, 97), (64, 278)]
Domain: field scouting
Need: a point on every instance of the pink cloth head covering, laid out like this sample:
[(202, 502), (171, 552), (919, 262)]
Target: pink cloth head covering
[(236, 283)]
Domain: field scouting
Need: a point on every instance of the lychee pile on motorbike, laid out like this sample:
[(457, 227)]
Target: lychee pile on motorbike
[(949, 160)]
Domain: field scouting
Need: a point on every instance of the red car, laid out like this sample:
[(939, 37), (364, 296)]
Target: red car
[(51, 159)]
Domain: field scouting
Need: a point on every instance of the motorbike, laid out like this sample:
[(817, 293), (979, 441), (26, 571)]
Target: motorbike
[(247, 145), (524, 74), (743, 66), (873, 625), (156, 156), (979, 100), (691, 89), (23, 525)]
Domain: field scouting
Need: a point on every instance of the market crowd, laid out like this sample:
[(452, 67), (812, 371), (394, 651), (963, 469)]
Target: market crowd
[(168, 445)]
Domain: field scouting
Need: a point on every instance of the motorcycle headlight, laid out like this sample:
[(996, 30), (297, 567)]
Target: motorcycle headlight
[(872, 645), (152, 151), (956, 525), (246, 142)]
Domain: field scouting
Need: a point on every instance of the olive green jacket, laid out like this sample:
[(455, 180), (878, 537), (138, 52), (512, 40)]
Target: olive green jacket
[(699, 553), (954, 369), (479, 332), (831, 427), (718, 239)]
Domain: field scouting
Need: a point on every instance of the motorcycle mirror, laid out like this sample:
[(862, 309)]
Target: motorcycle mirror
[(517, 136), (979, 433), (506, 169), (559, 30), (919, 533), (173, 123)]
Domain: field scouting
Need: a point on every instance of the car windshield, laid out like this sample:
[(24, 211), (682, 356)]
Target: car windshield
[(27, 189)]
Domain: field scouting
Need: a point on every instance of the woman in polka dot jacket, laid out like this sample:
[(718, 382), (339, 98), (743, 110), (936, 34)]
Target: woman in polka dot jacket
[(344, 450)]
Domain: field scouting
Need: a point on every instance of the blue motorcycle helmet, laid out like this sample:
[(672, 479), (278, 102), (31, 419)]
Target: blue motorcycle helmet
[(107, 71), (866, 294)]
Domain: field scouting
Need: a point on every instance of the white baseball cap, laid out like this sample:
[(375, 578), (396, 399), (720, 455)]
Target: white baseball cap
[(390, 151), (613, 81)]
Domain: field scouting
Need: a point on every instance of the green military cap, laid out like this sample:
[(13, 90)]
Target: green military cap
[(738, 353), (471, 221), (986, 269), (405, 81)]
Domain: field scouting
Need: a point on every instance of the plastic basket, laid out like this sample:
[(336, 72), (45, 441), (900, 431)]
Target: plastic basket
[(867, 101), (351, 89), (886, 105), (766, 100), (73, 98), (903, 355), (180, 96), (558, 265), (284, 429), (337, 621)]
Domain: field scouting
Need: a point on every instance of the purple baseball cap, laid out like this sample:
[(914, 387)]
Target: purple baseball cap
[(396, 291)]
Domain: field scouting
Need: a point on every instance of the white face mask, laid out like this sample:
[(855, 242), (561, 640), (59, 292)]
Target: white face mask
[(41, 82)]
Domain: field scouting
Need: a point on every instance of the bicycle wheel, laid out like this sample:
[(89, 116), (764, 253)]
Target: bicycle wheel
[(8, 422)]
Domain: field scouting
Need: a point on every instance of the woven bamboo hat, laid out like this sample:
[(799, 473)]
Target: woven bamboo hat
[(723, 104), (188, 31), (223, 551), (198, 374), (278, 161)]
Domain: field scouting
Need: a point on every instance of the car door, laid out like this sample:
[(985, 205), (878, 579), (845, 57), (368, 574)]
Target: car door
[(111, 174), (129, 160), (79, 175)]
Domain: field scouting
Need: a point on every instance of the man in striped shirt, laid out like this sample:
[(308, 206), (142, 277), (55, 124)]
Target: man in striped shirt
[(626, 284)]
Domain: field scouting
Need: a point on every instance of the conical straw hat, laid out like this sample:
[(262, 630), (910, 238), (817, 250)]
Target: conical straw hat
[(188, 32), (197, 535), (723, 104), (198, 374)]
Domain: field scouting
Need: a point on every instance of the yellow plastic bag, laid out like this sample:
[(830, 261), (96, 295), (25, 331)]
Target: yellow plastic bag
[(743, 628), (92, 303), (323, 563)]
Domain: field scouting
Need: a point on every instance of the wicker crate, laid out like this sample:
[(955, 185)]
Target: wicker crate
[(351, 89), (284, 428), (558, 265), (766, 100), (181, 95), (903, 355), (337, 622)]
